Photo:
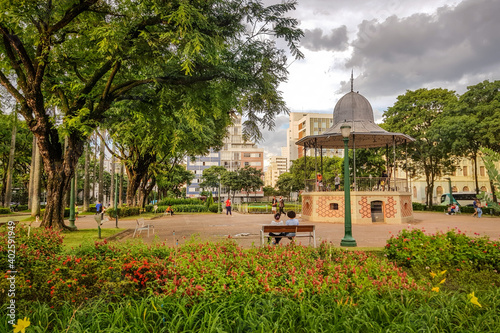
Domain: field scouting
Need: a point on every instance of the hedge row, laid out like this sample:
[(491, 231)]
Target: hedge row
[(5, 210), (464, 209), (124, 211), (177, 201)]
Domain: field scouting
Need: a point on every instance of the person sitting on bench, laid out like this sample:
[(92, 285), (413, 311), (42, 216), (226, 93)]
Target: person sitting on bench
[(169, 210), (276, 221), (292, 221)]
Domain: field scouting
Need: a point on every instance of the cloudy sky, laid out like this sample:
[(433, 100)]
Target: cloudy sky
[(392, 46)]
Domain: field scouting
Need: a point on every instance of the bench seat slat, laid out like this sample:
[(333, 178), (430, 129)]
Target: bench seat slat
[(288, 228)]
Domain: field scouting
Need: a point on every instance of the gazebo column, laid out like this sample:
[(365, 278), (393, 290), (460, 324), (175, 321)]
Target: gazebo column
[(305, 167), (321, 156)]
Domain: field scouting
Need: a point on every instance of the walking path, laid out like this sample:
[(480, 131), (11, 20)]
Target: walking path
[(245, 228)]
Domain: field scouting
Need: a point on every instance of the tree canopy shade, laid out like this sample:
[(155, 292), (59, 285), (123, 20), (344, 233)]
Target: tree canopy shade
[(415, 113), (67, 62)]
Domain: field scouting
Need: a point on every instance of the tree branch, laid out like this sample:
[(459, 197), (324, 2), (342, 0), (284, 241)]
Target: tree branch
[(115, 70), (15, 42), (70, 15)]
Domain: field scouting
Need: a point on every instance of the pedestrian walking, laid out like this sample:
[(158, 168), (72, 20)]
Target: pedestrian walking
[(228, 207), (282, 206), (274, 205)]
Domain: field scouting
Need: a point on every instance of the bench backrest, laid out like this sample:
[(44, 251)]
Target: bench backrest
[(288, 228)]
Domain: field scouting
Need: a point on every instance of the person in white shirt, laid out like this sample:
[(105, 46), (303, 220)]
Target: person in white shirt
[(292, 221), (276, 221)]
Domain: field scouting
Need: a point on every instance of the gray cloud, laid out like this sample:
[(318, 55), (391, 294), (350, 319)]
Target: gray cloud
[(451, 45), (314, 40)]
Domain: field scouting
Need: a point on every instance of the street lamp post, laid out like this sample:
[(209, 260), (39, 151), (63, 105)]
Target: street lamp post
[(218, 200), (449, 184), (116, 201), (348, 240)]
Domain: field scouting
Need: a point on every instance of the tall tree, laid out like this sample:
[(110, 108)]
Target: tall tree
[(251, 179), (10, 166), (100, 195), (71, 60), (86, 182), (415, 114), (475, 122)]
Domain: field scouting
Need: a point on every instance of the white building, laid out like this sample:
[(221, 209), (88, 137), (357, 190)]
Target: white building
[(302, 124)]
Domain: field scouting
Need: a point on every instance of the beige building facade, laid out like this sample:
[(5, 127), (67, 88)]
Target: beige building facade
[(302, 124)]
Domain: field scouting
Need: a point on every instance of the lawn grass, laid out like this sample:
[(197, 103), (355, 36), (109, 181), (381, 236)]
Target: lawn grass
[(73, 239)]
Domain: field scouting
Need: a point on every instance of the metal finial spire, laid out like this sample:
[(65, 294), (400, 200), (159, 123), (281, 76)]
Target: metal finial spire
[(352, 80)]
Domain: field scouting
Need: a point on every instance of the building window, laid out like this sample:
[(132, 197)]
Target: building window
[(465, 171), (484, 189), (466, 189), (481, 171), (247, 163), (454, 189), (334, 206)]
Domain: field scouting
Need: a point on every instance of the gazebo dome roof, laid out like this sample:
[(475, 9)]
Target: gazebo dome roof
[(355, 110), (351, 107)]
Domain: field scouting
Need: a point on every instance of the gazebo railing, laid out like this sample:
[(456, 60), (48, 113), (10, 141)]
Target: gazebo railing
[(370, 184)]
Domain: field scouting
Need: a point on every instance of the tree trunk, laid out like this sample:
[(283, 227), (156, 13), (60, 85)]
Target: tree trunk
[(32, 172), (86, 182), (112, 189), (101, 170), (146, 190), (37, 173), (493, 191), (94, 187), (10, 168)]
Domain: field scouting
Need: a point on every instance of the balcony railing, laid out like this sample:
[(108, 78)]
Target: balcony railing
[(370, 184)]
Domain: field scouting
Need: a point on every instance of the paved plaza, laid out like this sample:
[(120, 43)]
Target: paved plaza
[(245, 228)]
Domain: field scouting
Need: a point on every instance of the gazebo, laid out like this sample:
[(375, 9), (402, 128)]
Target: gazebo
[(375, 199)]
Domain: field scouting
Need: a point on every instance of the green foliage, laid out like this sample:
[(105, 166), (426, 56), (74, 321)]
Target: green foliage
[(490, 158), (211, 176), (332, 166), (4, 210), (176, 201), (417, 113), (42, 244), (214, 208), (414, 248), (124, 211), (250, 179)]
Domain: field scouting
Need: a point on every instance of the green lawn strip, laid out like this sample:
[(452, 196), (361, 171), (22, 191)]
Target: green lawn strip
[(73, 239)]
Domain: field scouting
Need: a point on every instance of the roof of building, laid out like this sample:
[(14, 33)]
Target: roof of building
[(355, 110)]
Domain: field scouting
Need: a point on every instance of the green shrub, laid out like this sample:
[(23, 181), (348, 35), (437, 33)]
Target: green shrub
[(91, 209), (418, 206), (213, 208), (176, 201), (4, 210), (412, 248), (124, 211)]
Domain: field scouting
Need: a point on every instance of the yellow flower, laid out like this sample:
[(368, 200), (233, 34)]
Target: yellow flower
[(436, 289), (433, 275), (442, 281), (442, 272), (21, 325), (473, 299)]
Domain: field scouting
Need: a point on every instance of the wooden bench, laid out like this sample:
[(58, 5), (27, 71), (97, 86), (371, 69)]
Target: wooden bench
[(306, 230)]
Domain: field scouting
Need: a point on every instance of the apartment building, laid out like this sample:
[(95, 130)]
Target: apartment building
[(302, 124), (236, 153), (277, 166)]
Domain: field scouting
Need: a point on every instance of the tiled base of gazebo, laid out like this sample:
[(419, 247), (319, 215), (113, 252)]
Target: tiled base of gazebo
[(366, 207)]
